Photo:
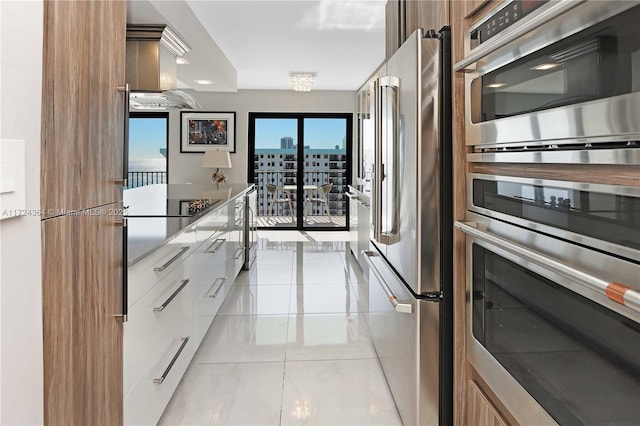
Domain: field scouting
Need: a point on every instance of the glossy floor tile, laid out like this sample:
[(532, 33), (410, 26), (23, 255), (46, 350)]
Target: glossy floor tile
[(227, 394), (345, 392), (257, 300), (290, 344), (323, 299), (250, 338), (328, 337)]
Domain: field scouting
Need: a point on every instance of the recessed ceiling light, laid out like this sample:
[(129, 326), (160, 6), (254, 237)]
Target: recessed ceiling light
[(181, 61), (543, 67), (495, 85), (204, 81)]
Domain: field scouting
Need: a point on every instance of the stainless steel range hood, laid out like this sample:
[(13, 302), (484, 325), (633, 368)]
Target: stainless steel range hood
[(151, 68)]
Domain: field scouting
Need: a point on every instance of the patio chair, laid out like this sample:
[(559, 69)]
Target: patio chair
[(275, 200), (323, 192)]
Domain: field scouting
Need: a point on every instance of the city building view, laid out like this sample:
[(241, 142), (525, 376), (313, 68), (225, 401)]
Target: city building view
[(324, 182)]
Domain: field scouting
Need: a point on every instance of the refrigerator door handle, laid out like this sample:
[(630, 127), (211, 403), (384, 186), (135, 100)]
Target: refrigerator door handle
[(405, 308), (387, 113), (378, 170)]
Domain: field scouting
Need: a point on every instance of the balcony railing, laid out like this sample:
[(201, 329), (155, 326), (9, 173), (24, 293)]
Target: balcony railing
[(136, 178), (336, 199)]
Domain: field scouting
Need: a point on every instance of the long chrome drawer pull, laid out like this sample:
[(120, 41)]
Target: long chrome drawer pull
[(173, 295), (221, 281), (404, 308), (617, 292), (238, 256), (182, 251), (352, 196), (159, 380), (217, 243)]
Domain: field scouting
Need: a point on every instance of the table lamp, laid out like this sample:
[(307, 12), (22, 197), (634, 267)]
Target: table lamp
[(217, 159)]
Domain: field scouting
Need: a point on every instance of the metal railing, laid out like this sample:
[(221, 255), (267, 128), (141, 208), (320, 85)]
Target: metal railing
[(336, 199), (137, 178)]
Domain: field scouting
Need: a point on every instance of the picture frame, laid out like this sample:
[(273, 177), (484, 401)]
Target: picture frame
[(202, 131)]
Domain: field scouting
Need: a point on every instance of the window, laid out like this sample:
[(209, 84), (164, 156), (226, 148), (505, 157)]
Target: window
[(148, 150)]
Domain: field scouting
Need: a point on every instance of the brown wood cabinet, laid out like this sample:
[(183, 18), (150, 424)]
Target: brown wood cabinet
[(83, 112), (480, 410), (82, 293), (471, 7), (81, 157), (393, 37), (403, 17), (426, 14)]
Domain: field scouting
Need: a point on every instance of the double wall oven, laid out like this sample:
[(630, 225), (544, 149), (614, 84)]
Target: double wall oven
[(553, 259)]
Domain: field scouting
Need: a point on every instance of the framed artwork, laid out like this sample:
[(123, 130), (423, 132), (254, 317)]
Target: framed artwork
[(202, 131)]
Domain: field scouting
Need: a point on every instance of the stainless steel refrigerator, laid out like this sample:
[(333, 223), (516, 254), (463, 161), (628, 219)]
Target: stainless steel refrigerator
[(410, 260)]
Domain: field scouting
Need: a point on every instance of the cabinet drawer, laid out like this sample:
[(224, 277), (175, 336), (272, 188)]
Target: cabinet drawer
[(212, 252), (156, 266), (208, 303), (163, 312), (147, 400)]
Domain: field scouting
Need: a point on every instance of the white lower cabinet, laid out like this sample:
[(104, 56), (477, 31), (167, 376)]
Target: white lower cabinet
[(172, 311)]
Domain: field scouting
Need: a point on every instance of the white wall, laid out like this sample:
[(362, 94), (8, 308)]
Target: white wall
[(21, 377), (186, 167)]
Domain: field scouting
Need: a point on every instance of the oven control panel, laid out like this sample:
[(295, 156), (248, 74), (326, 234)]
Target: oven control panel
[(504, 18)]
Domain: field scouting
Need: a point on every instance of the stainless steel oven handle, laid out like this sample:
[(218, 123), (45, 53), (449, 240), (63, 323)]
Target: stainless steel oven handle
[(618, 292), (515, 31), (404, 308)]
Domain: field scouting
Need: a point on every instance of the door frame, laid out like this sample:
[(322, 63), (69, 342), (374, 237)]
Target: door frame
[(300, 117)]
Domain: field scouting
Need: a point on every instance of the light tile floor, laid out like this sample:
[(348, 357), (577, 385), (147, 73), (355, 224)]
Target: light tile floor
[(290, 345)]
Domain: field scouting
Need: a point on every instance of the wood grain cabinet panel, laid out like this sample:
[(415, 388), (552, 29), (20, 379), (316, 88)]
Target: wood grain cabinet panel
[(82, 110), (475, 7), (392, 27), (81, 157), (426, 14), (82, 294), (480, 411)]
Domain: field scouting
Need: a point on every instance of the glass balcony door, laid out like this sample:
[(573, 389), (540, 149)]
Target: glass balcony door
[(301, 166), (274, 170), (325, 169)]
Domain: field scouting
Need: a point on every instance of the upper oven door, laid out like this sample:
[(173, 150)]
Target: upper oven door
[(569, 72)]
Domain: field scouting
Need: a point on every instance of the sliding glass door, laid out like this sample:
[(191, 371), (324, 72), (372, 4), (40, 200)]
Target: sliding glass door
[(274, 170), (301, 165)]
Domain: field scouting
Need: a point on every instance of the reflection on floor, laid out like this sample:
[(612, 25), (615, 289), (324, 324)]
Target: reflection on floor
[(290, 345)]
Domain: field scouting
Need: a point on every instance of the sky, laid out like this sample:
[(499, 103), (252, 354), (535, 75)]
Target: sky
[(320, 133), (146, 137)]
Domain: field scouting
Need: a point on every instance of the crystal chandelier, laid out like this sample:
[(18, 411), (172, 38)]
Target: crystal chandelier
[(302, 81)]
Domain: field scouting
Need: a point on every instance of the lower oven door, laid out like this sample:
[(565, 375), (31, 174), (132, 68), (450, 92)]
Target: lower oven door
[(551, 342)]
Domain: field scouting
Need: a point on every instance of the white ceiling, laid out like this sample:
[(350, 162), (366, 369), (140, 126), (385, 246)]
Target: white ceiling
[(342, 41)]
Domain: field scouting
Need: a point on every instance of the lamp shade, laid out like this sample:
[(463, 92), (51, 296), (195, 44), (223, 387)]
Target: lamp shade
[(219, 159)]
